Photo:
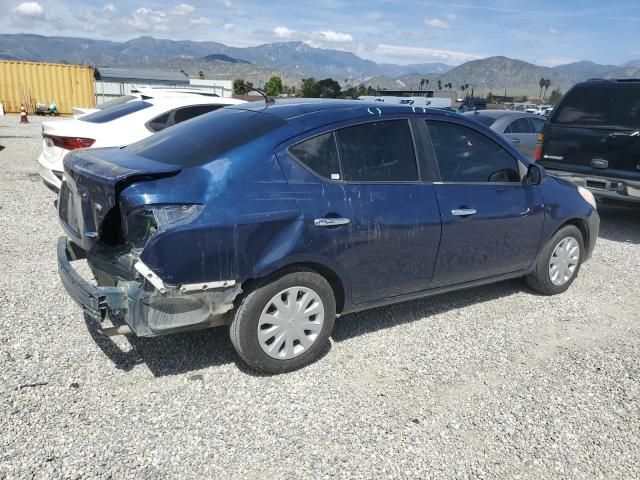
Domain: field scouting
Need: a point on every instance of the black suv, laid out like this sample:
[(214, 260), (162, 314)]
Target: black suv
[(473, 104), (592, 138)]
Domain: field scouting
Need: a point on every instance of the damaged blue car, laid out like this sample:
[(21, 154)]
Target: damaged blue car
[(274, 217)]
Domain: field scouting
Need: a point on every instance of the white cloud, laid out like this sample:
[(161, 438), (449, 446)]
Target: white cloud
[(552, 30), (227, 26), (29, 9), (145, 18), (283, 32), (419, 54), (182, 9), (555, 61), (451, 16), (334, 37), (435, 23), (227, 3), (109, 8)]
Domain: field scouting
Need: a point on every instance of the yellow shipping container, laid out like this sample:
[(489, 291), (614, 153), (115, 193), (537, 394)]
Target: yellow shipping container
[(34, 82)]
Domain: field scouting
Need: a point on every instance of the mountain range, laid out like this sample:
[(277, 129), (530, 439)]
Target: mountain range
[(297, 60)]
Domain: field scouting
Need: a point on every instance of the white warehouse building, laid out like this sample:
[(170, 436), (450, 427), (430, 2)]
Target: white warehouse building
[(116, 82)]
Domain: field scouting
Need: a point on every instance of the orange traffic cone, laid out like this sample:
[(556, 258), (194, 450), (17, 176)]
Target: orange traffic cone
[(23, 115)]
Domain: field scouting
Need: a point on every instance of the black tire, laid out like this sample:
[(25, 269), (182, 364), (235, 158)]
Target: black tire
[(244, 326), (540, 280)]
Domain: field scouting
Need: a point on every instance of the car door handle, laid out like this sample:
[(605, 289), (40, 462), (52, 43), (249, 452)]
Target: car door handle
[(515, 140), (463, 212), (331, 222)]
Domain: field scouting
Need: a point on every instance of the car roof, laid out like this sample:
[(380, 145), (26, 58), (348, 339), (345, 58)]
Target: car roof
[(186, 100), (500, 113), (289, 109)]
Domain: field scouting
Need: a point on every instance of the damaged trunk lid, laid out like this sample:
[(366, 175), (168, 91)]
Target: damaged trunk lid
[(93, 180)]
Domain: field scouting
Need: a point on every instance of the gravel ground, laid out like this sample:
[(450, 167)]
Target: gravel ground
[(494, 382)]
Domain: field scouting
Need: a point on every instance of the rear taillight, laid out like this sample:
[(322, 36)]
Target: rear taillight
[(70, 143), (538, 151)]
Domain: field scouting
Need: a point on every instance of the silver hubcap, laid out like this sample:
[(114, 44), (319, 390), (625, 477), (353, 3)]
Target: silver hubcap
[(564, 261), (290, 322)]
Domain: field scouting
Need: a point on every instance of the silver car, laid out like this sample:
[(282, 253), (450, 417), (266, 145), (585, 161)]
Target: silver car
[(518, 127)]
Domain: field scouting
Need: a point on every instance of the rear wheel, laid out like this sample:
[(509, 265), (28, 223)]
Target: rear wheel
[(284, 321), (559, 263)]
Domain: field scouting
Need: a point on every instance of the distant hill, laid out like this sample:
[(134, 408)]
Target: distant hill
[(297, 60)]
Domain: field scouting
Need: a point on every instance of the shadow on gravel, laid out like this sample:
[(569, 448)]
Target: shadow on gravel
[(360, 323), (174, 354), (620, 222)]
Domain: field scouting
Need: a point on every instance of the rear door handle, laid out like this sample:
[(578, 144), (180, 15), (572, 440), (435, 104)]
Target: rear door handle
[(463, 212), (515, 140), (331, 222)]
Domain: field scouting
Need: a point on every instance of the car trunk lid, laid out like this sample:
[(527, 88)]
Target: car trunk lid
[(93, 180)]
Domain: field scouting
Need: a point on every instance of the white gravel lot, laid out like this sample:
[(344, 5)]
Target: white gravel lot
[(494, 382)]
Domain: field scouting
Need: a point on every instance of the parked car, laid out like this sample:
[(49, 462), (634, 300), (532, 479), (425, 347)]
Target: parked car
[(519, 128), (472, 104), (276, 217), (120, 124), (592, 138)]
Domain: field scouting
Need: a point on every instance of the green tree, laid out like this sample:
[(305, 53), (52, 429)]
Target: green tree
[(328, 88), (542, 83), (555, 96), (490, 98), (274, 86), (201, 75), (310, 88), (439, 84), (547, 84), (239, 86)]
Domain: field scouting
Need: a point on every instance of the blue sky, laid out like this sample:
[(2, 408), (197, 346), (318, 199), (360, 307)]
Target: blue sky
[(544, 32)]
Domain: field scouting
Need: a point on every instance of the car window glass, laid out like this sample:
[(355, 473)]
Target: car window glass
[(188, 113), (109, 114), (320, 155), (378, 152), (115, 101), (191, 143), (484, 119), (521, 125), (537, 123), (596, 104), (159, 123), (465, 155)]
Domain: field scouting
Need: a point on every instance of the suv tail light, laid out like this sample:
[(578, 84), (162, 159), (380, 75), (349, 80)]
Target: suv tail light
[(538, 152), (70, 143)]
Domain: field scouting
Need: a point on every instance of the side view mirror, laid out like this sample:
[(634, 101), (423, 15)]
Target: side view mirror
[(535, 174)]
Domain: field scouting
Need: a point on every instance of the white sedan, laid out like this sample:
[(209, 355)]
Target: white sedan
[(117, 126)]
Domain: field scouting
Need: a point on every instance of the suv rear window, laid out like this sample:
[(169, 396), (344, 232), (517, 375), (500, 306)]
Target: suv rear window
[(205, 138), (600, 105), (112, 113)]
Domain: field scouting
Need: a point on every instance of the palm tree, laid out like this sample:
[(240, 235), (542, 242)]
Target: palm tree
[(426, 82), (421, 84), (439, 84), (547, 84), (542, 83)]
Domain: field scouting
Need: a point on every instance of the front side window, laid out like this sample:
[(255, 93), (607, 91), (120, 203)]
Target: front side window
[(378, 152), (467, 156), (319, 154)]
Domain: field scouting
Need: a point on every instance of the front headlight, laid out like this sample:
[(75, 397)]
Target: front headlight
[(588, 197), (143, 223)]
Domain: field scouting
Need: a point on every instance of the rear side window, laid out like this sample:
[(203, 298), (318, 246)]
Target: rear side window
[(467, 156), (600, 105), (179, 115), (319, 154), (112, 113), (378, 152), (521, 125), (206, 137), (537, 123), (484, 119)]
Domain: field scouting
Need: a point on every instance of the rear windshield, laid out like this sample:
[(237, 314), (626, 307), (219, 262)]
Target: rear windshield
[(484, 119), (205, 138), (112, 113), (600, 105)]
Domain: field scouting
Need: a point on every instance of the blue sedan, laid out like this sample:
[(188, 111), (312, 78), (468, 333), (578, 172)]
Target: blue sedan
[(274, 217)]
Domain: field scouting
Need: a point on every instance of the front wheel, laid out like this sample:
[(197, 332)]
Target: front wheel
[(284, 321), (559, 262)]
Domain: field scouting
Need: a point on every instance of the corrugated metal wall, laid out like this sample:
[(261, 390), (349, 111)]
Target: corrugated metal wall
[(67, 85)]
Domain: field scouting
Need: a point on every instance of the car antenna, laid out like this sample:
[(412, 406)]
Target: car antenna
[(267, 98)]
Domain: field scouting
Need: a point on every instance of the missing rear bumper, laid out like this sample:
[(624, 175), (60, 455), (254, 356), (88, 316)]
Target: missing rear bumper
[(146, 310)]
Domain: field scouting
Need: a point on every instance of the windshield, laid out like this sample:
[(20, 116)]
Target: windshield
[(205, 138), (600, 105), (115, 101)]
